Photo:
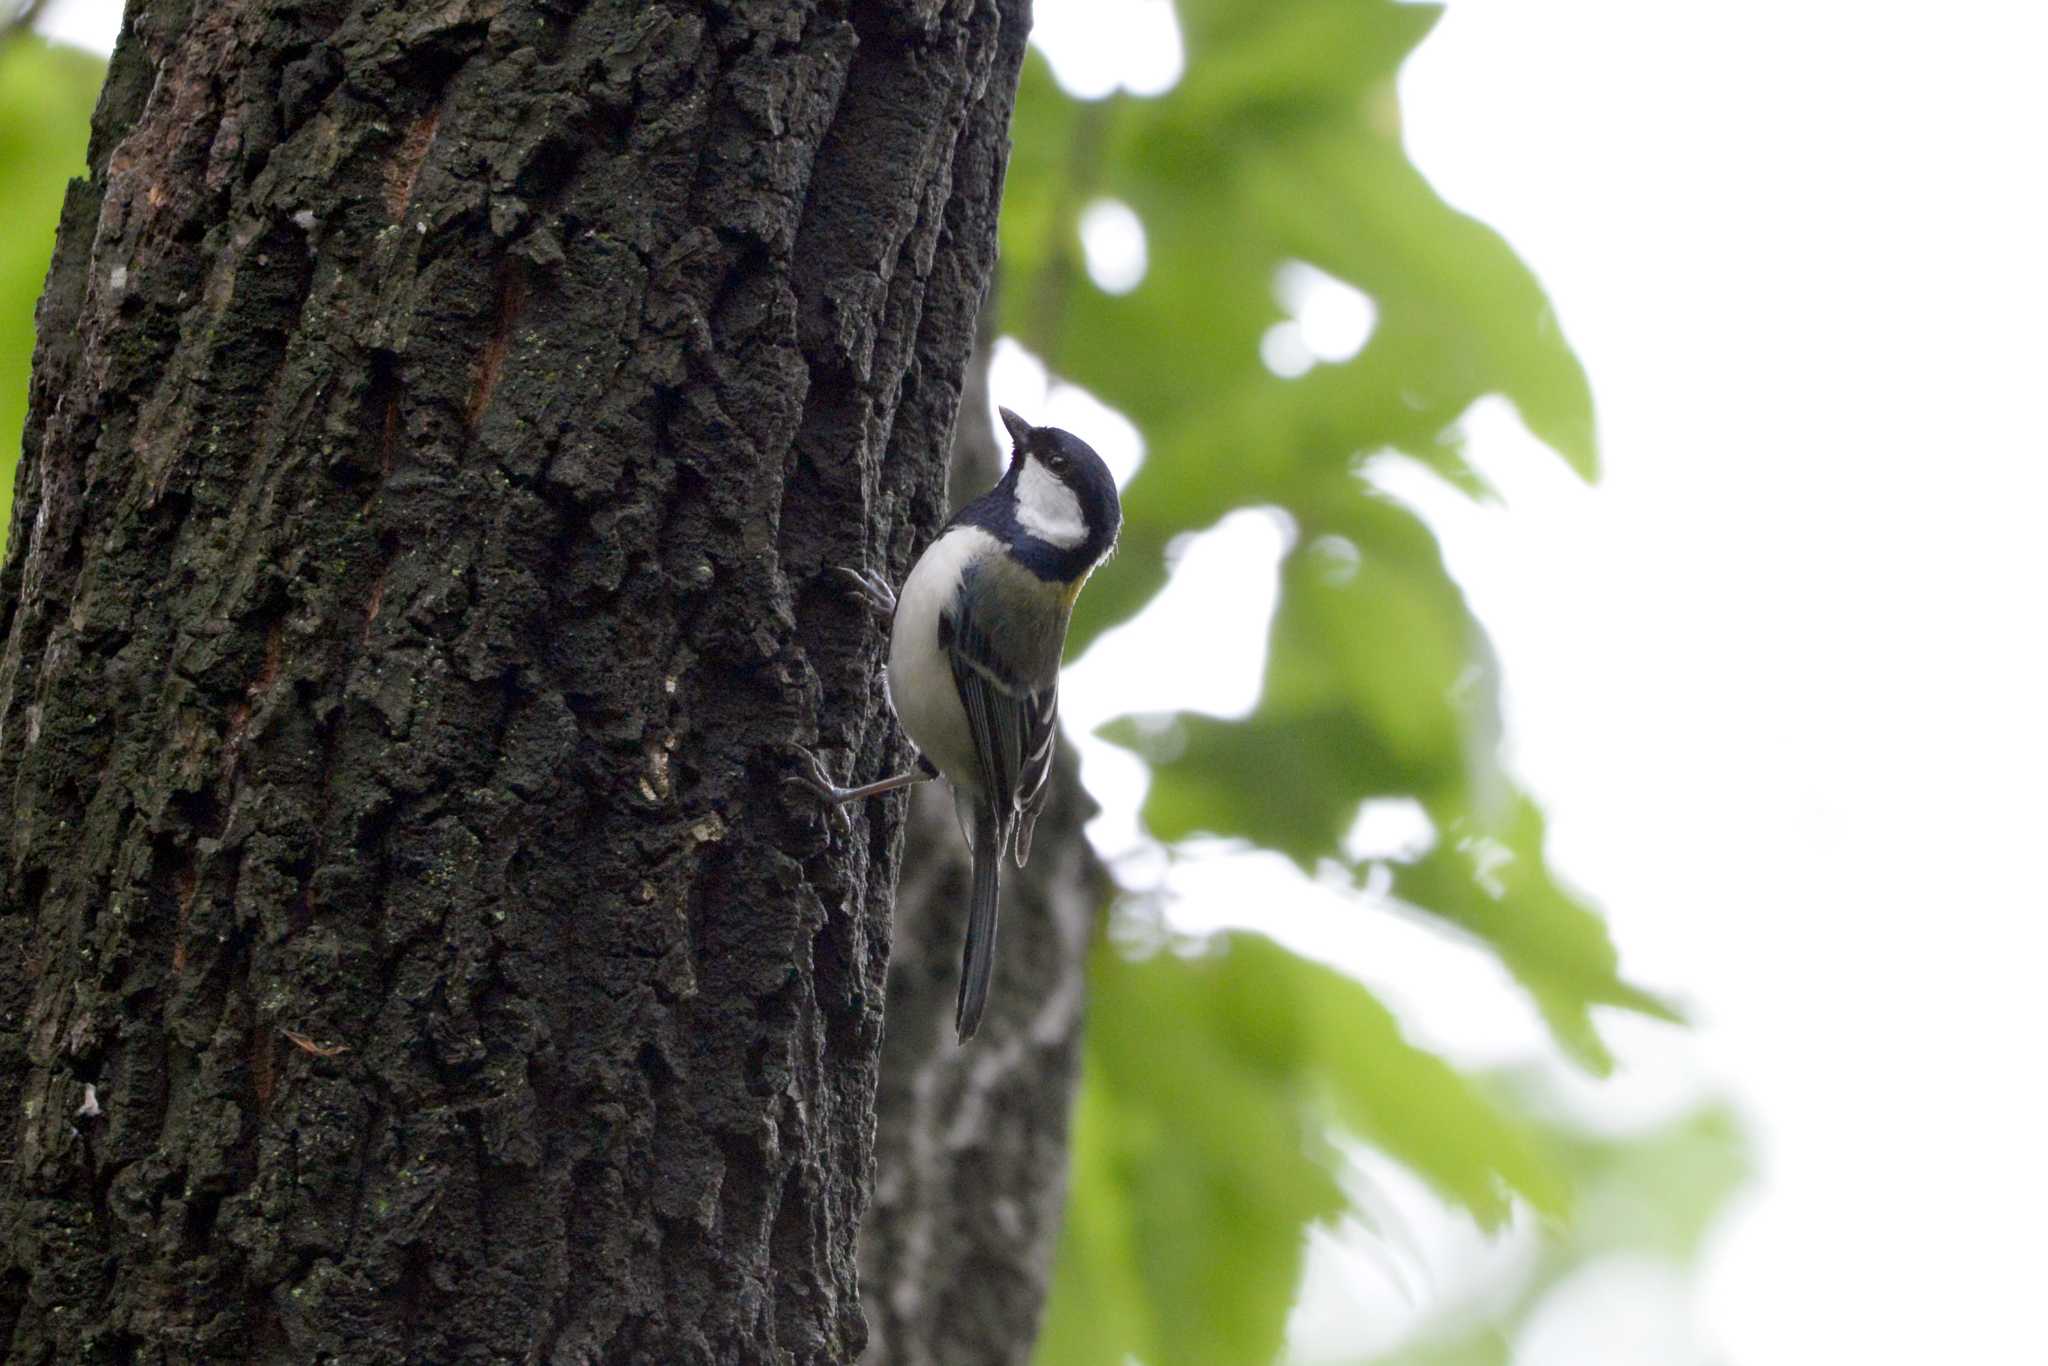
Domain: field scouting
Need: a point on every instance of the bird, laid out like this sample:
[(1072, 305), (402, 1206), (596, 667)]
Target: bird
[(974, 660)]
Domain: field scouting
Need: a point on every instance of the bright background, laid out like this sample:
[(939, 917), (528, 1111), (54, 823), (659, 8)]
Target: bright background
[(1800, 249), (1777, 679)]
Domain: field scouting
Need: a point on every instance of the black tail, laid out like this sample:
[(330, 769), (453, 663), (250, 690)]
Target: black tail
[(978, 956)]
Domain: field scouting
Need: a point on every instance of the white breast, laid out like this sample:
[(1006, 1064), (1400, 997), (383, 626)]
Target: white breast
[(921, 685), (1047, 508)]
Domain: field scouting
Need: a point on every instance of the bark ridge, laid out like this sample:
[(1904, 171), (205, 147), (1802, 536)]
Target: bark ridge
[(441, 418)]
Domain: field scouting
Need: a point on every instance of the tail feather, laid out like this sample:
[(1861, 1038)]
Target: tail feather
[(978, 955)]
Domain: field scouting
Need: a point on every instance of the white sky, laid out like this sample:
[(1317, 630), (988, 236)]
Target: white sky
[(1779, 680), (90, 24)]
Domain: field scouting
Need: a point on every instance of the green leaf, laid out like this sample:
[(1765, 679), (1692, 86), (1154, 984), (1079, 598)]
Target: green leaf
[(46, 100), (1213, 1084), (1654, 1194), (1492, 882), (1282, 143), (1214, 1081)]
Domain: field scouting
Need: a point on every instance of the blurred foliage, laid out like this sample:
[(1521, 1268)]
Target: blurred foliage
[(1216, 1086), (1650, 1195), (1216, 1083), (46, 98), (1222, 1083), (1281, 143)]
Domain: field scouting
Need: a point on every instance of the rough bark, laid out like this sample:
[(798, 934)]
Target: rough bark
[(441, 419), (971, 1153)]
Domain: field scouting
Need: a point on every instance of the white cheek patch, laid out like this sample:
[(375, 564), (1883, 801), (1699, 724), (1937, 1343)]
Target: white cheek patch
[(1047, 508)]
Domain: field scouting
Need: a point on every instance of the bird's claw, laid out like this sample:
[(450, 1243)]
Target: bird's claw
[(814, 777), (872, 589)]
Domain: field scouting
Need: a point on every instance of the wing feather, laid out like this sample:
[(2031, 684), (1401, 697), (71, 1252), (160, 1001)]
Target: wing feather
[(1035, 784), (1012, 722)]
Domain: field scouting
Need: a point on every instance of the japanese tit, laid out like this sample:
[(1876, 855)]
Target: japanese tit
[(974, 659)]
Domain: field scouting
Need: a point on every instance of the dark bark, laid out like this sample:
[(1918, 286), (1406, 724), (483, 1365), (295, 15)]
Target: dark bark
[(971, 1152), (441, 419)]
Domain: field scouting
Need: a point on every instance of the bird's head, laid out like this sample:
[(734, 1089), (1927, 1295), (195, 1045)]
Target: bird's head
[(1064, 494)]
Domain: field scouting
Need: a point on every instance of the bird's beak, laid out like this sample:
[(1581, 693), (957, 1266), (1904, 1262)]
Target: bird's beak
[(1020, 430)]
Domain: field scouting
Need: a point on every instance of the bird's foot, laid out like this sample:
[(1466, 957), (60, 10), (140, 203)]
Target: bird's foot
[(814, 777), (812, 774), (872, 589)]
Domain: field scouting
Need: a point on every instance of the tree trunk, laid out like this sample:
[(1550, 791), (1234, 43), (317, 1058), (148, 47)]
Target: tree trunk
[(971, 1153), (441, 422)]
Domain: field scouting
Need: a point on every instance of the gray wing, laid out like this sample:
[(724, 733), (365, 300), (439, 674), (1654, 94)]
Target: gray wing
[(1037, 785), (1011, 695)]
